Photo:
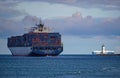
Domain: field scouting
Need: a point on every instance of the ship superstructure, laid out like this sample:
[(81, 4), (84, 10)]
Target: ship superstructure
[(38, 41)]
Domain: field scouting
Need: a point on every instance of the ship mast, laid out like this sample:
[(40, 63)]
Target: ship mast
[(40, 26)]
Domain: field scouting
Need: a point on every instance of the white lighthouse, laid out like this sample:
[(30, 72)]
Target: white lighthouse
[(103, 51)]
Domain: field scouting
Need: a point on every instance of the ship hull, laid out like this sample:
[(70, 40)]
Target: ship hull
[(20, 51), (47, 50), (28, 51)]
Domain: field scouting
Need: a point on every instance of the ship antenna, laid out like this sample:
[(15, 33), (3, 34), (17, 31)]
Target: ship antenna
[(40, 25)]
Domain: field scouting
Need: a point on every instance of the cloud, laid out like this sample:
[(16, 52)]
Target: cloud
[(86, 26), (7, 9), (102, 4), (75, 24), (10, 27)]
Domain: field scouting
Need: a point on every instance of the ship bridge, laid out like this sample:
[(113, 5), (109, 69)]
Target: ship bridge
[(40, 28)]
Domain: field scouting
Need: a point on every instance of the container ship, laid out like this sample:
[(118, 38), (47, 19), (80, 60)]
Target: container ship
[(39, 41)]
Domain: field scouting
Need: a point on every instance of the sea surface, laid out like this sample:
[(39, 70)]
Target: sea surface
[(63, 66)]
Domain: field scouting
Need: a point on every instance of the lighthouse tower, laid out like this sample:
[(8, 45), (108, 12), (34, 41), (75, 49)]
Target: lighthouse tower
[(103, 49)]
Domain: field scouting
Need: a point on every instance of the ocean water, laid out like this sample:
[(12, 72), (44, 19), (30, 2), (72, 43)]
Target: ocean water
[(63, 66)]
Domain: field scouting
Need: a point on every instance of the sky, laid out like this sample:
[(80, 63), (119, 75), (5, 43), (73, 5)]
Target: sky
[(84, 24)]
